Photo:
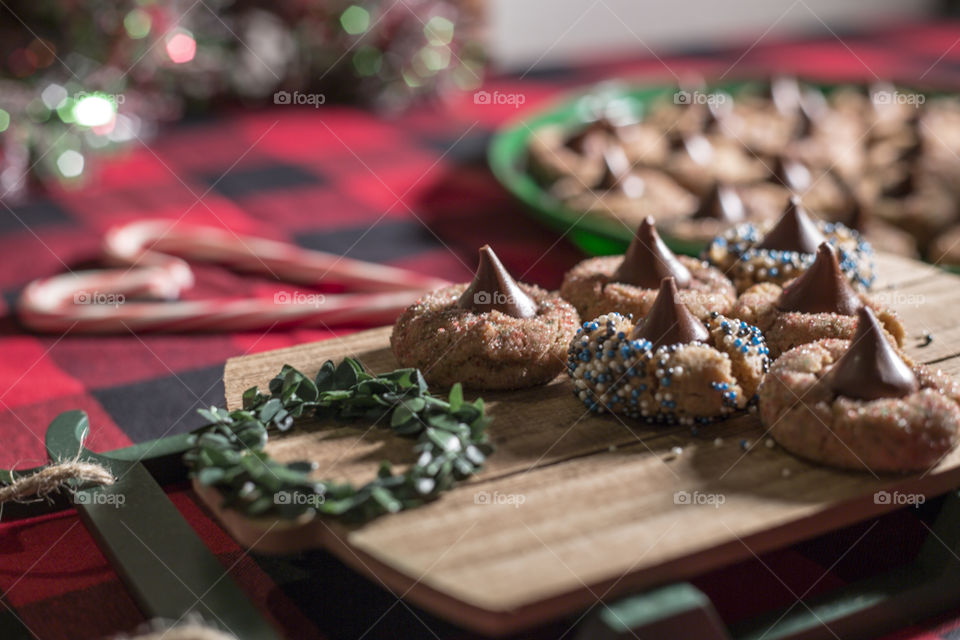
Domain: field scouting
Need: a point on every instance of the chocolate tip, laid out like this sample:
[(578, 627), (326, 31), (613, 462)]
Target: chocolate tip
[(648, 260), (794, 231), (822, 288), (669, 321), (494, 289), (722, 203), (871, 368)]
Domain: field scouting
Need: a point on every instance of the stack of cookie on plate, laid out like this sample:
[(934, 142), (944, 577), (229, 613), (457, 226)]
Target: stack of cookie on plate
[(881, 160), (776, 319)]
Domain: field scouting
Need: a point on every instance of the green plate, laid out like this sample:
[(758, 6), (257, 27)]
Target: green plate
[(507, 156)]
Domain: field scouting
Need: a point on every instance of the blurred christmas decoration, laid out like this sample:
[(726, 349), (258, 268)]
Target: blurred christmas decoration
[(78, 79)]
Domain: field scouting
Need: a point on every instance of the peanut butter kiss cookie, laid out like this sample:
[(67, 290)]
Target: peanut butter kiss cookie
[(628, 284), (865, 406), (669, 368), (819, 304), (493, 333), (760, 253)]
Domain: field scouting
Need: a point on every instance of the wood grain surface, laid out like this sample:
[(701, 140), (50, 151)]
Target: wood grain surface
[(574, 508)]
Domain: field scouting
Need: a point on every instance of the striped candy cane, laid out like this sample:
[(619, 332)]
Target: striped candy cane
[(151, 259)]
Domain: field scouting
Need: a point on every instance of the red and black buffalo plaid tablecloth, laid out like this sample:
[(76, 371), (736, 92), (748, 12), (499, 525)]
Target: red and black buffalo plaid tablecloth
[(412, 191)]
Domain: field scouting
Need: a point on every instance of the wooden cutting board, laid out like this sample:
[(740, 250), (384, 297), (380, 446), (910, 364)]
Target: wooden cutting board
[(573, 508)]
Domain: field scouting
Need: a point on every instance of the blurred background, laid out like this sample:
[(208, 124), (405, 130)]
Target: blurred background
[(80, 79)]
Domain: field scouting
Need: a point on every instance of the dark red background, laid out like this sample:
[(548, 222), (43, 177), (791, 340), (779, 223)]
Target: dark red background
[(413, 191)]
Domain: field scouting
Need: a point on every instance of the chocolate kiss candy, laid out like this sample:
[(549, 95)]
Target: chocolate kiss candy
[(795, 231), (804, 127), (722, 203), (904, 185), (858, 213), (669, 321), (785, 92), (870, 368), (791, 174), (592, 139), (821, 289), (648, 261), (699, 149), (617, 174), (813, 107), (493, 288)]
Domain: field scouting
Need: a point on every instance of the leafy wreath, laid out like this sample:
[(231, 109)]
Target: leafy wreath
[(228, 453)]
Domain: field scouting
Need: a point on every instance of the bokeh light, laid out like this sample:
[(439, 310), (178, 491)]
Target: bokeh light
[(181, 47), (438, 30), (367, 60), (53, 95), (355, 20), (94, 110), (70, 163), (137, 23), (4, 120)]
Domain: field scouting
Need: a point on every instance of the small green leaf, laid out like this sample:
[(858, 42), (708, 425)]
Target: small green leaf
[(385, 499), (456, 397), (324, 379), (269, 410)]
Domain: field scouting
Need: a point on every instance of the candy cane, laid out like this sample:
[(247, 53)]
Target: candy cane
[(153, 254)]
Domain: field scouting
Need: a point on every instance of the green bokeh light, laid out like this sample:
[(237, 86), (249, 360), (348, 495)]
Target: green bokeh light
[(367, 60), (137, 23), (4, 120), (438, 30), (355, 20)]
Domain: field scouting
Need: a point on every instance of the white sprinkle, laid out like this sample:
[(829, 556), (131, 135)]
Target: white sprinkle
[(785, 472), (718, 442), (769, 443), (676, 451)]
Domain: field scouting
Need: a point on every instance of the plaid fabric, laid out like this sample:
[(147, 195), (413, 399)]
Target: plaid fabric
[(413, 192)]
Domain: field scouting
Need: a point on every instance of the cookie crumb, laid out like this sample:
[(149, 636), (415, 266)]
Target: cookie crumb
[(785, 472), (769, 443), (612, 448), (927, 339)]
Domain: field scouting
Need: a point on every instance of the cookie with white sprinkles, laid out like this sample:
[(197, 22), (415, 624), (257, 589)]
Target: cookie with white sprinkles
[(819, 304), (670, 367), (751, 254), (865, 406), (493, 333)]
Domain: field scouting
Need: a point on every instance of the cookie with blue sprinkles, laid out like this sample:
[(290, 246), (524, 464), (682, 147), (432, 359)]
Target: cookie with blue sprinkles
[(819, 304), (750, 254), (669, 368)]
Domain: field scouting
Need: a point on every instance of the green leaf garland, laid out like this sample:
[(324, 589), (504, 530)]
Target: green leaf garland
[(228, 453)]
